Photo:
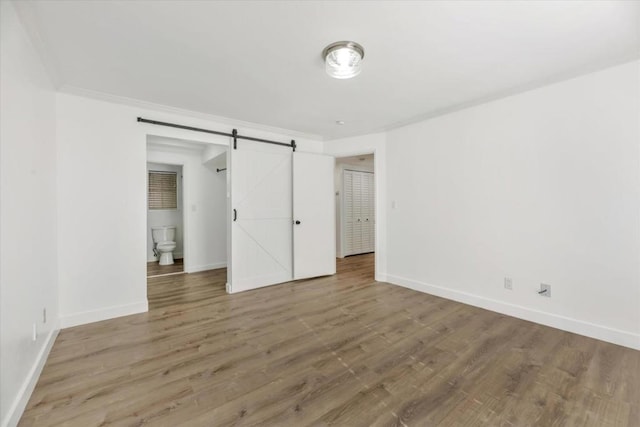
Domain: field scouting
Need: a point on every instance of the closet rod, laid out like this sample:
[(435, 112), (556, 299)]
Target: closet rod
[(233, 135)]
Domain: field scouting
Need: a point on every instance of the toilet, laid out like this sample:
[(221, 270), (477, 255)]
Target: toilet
[(164, 243)]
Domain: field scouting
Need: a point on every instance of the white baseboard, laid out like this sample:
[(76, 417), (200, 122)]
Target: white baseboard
[(381, 277), (604, 333), (197, 268), (20, 402), (91, 316)]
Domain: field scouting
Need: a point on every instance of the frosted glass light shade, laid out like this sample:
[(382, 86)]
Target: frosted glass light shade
[(343, 60)]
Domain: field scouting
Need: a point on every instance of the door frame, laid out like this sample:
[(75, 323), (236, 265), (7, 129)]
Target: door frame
[(172, 155), (378, 167)]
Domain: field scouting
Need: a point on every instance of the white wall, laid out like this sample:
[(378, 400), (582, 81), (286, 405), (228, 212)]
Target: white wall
[(205, 206), (162, 217), (92, 133), (341, 165), (28, 263), (541, 187), (370, 144)]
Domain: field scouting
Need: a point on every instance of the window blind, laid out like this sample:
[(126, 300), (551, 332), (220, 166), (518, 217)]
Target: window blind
[(163, 190)]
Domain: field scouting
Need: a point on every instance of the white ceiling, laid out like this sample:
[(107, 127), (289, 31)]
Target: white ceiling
[(260, 61)]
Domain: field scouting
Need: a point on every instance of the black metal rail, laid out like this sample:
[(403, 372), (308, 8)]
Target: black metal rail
[(233, 134)]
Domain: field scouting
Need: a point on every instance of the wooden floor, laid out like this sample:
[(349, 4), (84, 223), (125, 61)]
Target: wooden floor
[(340, 350), (155, 269)]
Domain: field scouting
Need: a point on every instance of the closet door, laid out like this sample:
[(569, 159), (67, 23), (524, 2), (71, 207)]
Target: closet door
[(359, 216), (347, 213), (357, 212)]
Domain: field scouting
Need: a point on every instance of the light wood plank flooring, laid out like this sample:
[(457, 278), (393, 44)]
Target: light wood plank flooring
[(155, 269), (340, 350)]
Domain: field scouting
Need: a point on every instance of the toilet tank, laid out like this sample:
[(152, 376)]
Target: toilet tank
[(166, 233)]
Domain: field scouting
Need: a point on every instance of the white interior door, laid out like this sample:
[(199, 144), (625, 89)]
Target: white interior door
[(261, 222), (314, 215)]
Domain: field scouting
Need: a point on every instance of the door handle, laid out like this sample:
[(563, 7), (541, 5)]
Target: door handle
[(298, 222), (235, 215)]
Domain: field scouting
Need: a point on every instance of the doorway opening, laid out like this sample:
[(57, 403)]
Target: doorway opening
[(355, 211), (186, 207)]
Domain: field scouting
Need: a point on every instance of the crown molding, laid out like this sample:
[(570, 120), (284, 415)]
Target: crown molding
[(132, 102)]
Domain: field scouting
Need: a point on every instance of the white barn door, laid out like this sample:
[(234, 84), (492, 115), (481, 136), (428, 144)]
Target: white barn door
[(269, 245), (261, 216), (314, 235)]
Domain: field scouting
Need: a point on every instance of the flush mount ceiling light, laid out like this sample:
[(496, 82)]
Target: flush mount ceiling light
[(343, 60)]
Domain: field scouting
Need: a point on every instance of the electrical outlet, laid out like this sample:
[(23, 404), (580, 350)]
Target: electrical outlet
[(44, 315), (508, 283), (545, 290)]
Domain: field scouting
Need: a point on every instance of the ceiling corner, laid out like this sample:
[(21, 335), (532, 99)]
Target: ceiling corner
[(28, 18)]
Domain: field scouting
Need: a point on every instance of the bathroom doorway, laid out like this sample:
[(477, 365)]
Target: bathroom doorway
[(194, 218), (165, 219)]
